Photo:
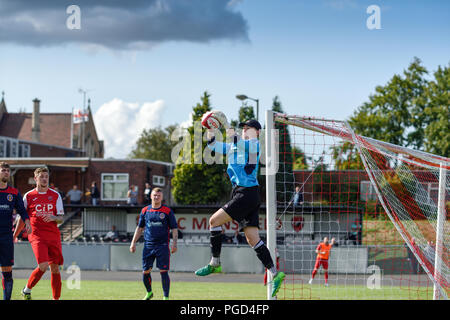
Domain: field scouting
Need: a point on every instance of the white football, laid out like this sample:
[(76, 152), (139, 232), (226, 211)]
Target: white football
[(209, 121)]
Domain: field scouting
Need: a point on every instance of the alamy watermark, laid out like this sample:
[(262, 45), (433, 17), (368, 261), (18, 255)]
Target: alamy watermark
[(73, 21), (74, 280), (374, 20), (233, 149)]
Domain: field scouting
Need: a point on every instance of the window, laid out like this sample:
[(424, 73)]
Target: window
[(2, 148), (367, 191), (427, 192), (159, 181), (24, 150), (114, 186), (10, 148)]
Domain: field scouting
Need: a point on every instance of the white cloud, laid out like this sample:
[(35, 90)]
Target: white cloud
[(120, 123)]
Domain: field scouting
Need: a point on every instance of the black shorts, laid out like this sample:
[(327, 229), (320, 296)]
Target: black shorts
[(244, 206)]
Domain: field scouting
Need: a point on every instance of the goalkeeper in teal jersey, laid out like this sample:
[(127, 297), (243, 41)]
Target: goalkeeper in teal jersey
[(242, 157)]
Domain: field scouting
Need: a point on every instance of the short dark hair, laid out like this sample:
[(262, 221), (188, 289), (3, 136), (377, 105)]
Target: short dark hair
[(4, 165)]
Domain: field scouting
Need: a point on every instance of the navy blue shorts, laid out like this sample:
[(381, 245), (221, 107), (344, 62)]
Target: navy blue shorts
[(6, 253), (159, 252)]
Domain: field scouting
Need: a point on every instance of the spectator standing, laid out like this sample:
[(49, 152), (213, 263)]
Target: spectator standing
[(132, 196), (412, 258), (95, 194), (298, 196), (75, 195), (147, 192)]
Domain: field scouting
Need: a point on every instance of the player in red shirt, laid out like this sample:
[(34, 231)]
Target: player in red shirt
[(45, 208), (323, 253)]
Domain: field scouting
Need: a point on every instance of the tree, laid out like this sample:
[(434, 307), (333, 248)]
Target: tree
[(153, 144), (245, 113), (408, 111), (284, 177), (299, 159), (436, 114), (199, 183), (389, 114)]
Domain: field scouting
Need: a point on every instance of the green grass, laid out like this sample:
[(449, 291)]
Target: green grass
[(134, 290)]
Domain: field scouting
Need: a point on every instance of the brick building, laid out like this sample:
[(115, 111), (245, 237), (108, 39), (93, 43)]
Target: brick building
[(113, 176), (74, 155), (39, 134)]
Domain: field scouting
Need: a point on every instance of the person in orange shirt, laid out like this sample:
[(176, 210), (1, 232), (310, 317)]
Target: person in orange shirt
[(323, 253)]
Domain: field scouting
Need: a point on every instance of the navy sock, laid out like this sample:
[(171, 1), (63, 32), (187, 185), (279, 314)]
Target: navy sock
[(165, 280), (7, 283), (147, 279)]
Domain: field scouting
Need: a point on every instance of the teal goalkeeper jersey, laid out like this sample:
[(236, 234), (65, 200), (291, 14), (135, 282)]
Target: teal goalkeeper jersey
[(243, 160)]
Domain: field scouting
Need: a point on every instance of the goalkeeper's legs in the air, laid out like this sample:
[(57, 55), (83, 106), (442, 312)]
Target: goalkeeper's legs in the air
[(263, 254), (215, 227)]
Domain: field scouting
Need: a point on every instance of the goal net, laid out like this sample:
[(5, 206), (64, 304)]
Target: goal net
[(386, 207)]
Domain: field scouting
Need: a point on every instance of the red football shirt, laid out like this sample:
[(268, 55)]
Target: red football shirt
[(38, 203)]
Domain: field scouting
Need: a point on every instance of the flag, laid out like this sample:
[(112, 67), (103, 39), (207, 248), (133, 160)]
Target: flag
[(80, 116)]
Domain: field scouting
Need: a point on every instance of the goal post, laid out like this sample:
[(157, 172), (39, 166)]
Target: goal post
[(386, 206), (271, 160)]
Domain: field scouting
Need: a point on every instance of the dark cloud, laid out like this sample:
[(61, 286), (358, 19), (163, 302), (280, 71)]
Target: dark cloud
[(119, 24)]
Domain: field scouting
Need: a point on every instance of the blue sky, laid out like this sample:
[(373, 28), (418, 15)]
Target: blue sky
[(318, 56)]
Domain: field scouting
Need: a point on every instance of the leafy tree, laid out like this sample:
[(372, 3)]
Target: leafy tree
[(436, 114), (388, 116), (284, 177), (408, 111), (199, 183), (245, 113), (299, 159), (153, 144)]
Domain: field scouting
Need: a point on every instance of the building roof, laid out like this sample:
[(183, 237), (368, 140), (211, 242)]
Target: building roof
[(55, 127)]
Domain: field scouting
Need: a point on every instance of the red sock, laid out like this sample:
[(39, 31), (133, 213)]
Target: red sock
[(326, 277), (34, 277), (55, 282), (313, 274)]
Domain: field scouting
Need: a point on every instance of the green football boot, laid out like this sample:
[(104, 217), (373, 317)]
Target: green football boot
[(166, 298), (277, 281), (208, 269), (148, 296)]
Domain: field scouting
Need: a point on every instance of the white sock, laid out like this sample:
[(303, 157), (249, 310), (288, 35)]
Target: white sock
[(273, 271), (26, 290), (215, 261)]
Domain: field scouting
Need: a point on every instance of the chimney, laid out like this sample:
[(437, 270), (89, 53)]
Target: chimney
[(35, 128)]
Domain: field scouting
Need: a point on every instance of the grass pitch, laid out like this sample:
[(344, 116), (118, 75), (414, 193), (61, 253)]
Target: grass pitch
[(134, 290)]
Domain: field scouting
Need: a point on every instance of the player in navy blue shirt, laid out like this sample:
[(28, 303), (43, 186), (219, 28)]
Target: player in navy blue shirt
[(156, 221), (242, 157), (10, 199)]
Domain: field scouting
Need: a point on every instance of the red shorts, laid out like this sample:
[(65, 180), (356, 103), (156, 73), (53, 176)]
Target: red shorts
[(48, 251), (321, 262)]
